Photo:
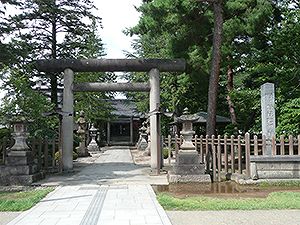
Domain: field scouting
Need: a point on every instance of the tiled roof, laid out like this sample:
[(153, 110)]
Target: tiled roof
[(124, 108)]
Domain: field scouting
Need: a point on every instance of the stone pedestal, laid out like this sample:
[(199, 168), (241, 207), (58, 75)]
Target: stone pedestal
[(188, 167), (20, 168), (275, 167)]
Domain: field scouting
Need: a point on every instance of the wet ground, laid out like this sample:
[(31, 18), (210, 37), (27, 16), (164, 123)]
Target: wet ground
[(223, 189)]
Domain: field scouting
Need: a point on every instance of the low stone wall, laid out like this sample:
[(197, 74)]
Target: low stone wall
[(275, 167)]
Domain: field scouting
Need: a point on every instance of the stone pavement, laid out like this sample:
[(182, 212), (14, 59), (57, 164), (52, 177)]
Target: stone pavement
[(235, 217), (112, 190)]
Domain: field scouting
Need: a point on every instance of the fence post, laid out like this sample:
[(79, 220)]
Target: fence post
[(169, 149), (214, 157), (291, 145), (201, 148), (282, 145), (239, 155), (5, 141), (219, 156), (264, 144), (255, 145), (247, 149), (196, 142), (225, 153), (232, 153), (274, 149), (299, 144), (206, 146), (176, 146)]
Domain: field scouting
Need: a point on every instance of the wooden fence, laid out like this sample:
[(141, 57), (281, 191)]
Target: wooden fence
[(43, 152), (230, 154)]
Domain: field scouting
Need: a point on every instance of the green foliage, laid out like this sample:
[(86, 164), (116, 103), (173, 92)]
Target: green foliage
[(21, 97), (260, 37), (275, 200), (21, 201), (289, 118), (4, 132)]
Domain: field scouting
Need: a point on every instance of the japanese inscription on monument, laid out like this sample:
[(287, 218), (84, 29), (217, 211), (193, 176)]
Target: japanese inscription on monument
[(268, 114)]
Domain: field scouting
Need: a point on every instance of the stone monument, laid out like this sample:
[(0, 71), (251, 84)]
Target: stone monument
[(268, 114), (82, 150), (19, 165), (188, 166), (93, 146), (269, 165)]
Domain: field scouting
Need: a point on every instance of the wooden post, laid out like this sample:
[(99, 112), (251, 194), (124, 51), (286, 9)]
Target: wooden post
[(291, 145), (239, 155), (232, 153), (206, 145), (214, 161), (247, 143), (196, 142), (255, 145), (176, 147), (219, 158), (225, 153), (169, 149), (299, 144), (274, 149), (281, 144), (264, 144), (201, 148)]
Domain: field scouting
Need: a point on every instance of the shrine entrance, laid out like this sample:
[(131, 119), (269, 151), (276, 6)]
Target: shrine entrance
[(69, 66)]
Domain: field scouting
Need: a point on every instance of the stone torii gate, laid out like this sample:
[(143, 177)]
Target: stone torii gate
[(69, 66)]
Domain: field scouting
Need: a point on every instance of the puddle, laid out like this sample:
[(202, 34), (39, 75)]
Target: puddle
[(223, 189)]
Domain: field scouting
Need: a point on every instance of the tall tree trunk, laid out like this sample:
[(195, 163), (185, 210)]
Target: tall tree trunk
[(229, 90), (215, 68)]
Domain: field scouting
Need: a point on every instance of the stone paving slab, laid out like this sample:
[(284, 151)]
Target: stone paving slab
[(77, 205), (235, 217)]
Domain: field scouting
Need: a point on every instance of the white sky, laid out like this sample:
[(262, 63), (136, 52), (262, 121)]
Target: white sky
[(116, 16)]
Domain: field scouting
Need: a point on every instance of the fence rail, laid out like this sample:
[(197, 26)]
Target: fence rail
[(230, 154), (43, 152)]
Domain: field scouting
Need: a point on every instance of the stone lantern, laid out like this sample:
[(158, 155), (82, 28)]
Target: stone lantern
[(93, 146), (187, 131), (142, 144), (188, 166), (20, 135), (20, 160)]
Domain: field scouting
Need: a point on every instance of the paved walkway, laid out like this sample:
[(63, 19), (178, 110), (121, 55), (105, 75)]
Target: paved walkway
[(112, 190), (235, 217)]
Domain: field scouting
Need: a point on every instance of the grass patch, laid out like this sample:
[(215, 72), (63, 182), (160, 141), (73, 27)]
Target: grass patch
[(22, 200), (292, 183), (275, 200)]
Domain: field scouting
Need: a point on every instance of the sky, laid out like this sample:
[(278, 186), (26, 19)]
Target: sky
[(117, 15)]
